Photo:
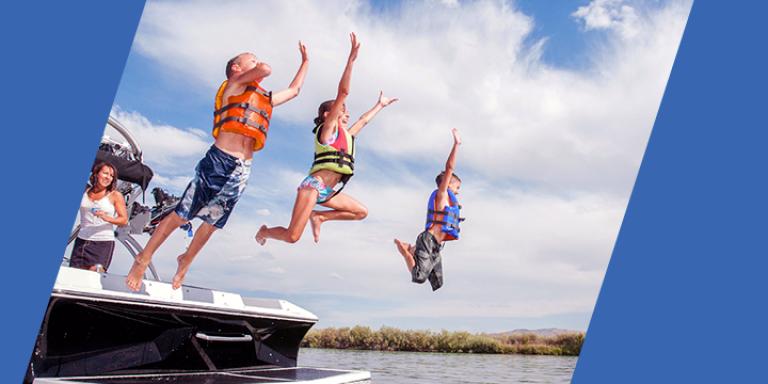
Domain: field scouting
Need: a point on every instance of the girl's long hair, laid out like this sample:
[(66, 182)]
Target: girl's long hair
[(324, 107)]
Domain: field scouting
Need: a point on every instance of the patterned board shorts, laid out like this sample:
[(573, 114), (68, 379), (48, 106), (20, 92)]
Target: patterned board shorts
[(323, 191), (220, 180)]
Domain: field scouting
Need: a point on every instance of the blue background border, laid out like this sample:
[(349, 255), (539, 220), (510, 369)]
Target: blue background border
[(61, 65), (684, 296)]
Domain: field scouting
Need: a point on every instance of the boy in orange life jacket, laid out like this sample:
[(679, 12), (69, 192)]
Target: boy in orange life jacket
[(241, 121), (423, 259)]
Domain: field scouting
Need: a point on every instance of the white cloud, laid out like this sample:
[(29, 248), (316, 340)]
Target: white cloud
[(609, 14), (163, 145), (450, 3), (174, 185), (467, 66), (548, 160)]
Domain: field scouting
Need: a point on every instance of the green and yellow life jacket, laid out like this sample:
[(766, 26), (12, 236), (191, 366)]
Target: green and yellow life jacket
[(338, 156)]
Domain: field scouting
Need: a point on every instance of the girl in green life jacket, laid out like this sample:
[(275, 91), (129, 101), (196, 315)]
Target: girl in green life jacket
[(332, 168)]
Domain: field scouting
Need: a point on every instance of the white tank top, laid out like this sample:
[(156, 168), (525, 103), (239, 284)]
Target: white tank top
[(92, 227)]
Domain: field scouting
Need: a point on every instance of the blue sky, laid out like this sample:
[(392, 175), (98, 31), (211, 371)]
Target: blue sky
[(554, 100)]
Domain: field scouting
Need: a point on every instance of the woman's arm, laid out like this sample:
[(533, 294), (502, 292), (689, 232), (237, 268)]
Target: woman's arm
[(338, 104), (295, 87), (122, 214), (368, 116)]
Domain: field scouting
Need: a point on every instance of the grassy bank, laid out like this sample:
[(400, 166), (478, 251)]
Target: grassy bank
[(392, 339)]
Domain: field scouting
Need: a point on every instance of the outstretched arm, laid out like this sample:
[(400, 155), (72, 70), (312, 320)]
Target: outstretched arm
[(450, 164), (298, 80), (257, 73), (341, 95), (368, 116)]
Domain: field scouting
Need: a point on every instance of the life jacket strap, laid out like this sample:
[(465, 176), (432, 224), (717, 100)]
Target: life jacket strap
[(242, 120), (450, 225), (338, 160), (341, 158), (245, 106), (446, 213), (342, 154), (259, 91)]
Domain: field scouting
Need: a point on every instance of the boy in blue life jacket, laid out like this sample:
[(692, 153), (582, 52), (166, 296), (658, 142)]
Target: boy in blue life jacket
[(423, 259)]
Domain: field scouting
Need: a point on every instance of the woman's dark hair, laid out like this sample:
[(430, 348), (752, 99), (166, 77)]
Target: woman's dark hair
[(324, 107), (439, 178), (97, 168)]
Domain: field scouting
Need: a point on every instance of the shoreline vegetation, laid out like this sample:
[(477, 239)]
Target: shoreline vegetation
[(393, 339)]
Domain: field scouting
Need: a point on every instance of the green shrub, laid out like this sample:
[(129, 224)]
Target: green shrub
[(393, 339)]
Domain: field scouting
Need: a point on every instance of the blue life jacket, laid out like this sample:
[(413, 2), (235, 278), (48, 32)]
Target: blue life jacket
[(451, 217)]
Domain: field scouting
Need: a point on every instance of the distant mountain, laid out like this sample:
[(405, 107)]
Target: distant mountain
[(544, 332)]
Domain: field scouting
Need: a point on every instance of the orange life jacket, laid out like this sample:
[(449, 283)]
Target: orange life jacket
[(247, 113)]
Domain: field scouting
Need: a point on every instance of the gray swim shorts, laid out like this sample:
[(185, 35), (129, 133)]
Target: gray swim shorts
[(429, 264)]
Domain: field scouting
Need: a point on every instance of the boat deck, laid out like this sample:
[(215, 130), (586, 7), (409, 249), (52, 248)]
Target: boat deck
[(111, 287), (190, 335)]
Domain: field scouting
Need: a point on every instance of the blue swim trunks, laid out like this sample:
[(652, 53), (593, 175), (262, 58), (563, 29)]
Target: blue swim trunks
[(220, 180), (323, 192)]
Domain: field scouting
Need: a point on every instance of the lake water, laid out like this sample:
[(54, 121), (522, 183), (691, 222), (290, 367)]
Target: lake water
[(444, 368)]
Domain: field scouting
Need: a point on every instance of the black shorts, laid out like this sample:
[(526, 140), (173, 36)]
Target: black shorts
[(429, 264), (87, 253)]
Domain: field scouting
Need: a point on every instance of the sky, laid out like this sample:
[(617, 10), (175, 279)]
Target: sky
[(555, 102)]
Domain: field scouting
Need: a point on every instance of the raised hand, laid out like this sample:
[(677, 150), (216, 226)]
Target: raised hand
[(456, 137), (384, 101), (355, 47), (303, 50)]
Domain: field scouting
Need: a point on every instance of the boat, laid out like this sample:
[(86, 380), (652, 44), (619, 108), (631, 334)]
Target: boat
[(95, 330)]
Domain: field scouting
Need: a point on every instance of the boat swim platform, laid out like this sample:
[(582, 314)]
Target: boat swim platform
[(253, 376)]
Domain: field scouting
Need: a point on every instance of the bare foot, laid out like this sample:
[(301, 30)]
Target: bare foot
[(135, 276), (181, 272), (406, 250), (403, 247), (260, 235), (315, 220)]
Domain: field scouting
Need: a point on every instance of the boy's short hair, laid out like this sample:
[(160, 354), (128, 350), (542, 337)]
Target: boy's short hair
[(439, 178), (232, 62)]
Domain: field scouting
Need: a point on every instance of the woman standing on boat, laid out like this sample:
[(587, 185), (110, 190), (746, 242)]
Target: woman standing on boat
[(332, 168), (101, 208)]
